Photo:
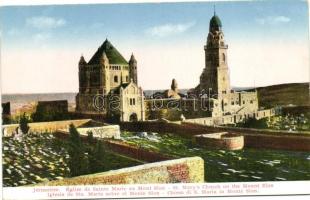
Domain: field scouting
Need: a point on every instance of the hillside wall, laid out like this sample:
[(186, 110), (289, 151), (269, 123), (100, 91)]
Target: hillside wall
[(45, 126), (253, 138), (184, 170)]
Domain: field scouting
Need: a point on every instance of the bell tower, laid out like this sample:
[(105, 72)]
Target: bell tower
[(215, 76), (133, 69)]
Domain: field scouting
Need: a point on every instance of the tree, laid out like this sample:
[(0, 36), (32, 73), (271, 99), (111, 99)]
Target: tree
[(90, 137), (96, 158), (23, 124), (255, 123), (78, 162)]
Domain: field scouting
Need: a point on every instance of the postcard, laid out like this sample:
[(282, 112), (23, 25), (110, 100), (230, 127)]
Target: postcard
[(155, 99)]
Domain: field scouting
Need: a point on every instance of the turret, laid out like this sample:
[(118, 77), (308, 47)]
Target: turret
[(83, 82), (174, 85), (106, 73), (104, 60), (133, 73), (82, 61)]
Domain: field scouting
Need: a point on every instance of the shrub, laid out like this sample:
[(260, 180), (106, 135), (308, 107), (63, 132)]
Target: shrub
[(254, 123), (90, 137), (23, 124), (96, 158), (78, 162)]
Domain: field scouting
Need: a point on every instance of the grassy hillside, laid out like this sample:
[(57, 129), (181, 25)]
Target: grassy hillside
[(283, 95)]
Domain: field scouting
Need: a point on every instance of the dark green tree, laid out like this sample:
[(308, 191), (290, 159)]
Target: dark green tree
[(78, 162), (23, 123), (90, 137), (254, 123), (96, 158)]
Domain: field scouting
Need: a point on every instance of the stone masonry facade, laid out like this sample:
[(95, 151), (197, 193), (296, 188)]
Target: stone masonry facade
[(108, 85)]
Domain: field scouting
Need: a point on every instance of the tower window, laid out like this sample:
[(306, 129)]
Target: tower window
[(116, 79), (127, 79), (224, 58)]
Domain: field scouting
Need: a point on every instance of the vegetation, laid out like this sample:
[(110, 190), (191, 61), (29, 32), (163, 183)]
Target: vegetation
[(90, 137), (254, 123), (231, 166), (43, 157), (96, 158), (283, 122), (284, 95), (23, 123), (78, 162), (6, 119)]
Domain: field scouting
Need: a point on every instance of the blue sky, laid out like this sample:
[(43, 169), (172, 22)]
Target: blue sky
[(149, 27)]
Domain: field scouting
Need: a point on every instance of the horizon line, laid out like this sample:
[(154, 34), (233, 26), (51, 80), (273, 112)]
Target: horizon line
[(246, 87)]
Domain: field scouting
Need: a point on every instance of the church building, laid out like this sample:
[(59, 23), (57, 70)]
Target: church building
[(108, 85)]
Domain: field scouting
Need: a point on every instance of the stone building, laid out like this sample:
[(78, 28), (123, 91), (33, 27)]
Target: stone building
[(215, 80), (212, 102), (108, 85)]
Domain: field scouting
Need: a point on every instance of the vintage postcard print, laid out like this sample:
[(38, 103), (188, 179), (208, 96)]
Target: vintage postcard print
[(155, 99)]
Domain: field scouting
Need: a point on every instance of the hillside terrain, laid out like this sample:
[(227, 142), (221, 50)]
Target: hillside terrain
[(291, 94)]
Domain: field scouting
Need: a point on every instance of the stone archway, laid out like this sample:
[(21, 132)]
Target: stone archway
[(133, 117)]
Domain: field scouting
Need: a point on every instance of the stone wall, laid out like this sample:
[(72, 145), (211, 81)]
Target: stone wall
[(232, 119), (136, 152), (46, 126), (184, 170), (185, 130), (224, 140), (253, 138), (123, 148), (110, 131)]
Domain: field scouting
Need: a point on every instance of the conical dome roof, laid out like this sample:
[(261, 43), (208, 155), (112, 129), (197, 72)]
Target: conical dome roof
[(215, 23), (111, 52)]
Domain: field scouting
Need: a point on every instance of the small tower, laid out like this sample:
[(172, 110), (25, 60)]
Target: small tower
[(82, 61), (174, 91), (106, 73), (174, 85), (215, 75), (83, 82), (133, 73)]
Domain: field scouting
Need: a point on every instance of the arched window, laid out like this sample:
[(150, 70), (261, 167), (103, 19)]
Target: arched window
[(224, 58), (127, 78), (116, 79)]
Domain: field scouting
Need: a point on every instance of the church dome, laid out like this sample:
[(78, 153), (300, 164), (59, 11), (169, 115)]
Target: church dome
[(215, 23)]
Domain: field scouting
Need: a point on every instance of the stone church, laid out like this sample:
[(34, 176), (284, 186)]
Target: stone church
[(215, 80), (226, 105), (108, 85)]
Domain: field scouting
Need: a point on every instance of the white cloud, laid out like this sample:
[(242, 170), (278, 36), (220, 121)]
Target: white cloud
[(169, 29), (273, 20), (41, 37), (42, 22), (13, 32)]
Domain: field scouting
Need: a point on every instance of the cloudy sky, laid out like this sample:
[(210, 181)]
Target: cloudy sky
[(41, 45)]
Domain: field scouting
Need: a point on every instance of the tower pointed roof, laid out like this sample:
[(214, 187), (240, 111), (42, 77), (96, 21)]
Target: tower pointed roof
[(174, 85), (132, 58), (82, 60), (215, 22), (111, 52)]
